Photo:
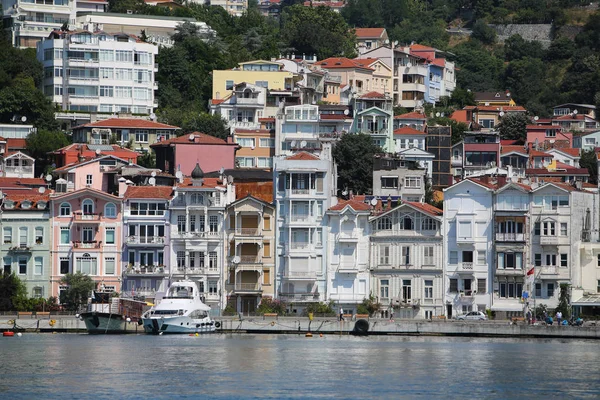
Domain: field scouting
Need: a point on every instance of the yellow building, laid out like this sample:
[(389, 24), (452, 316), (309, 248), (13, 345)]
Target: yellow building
[(257, 148), (331, 91), (494, 99), (382, 74), (269, 74), (251, 261), (357, 74)]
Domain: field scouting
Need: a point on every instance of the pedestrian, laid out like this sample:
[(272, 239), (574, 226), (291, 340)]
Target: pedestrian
[(341, 314), (391, 313), (528, 315), (558, 317)]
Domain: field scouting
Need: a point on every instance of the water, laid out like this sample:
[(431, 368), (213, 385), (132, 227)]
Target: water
[(69, 366)]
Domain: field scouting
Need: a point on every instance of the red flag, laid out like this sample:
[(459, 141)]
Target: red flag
[(530, 272)]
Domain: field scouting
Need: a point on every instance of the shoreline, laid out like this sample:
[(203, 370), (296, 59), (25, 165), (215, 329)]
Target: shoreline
[(329, 326)]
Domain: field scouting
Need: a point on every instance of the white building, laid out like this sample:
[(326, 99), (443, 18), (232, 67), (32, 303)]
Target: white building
[(233, 7), (406, 260), (99, 72), (16, 131), (198, 234), (348, 254), (467, 230), (305, 187)]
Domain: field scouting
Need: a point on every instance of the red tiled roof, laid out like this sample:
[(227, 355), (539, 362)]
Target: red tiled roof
[(372, 95), (127, 123), (537, 153), (17, 196), (149, 192), (16, 143), (421, 47), (482, 183), (266, 119), (341, 62), (407, 130), (369, 32), (303, 155), (411, 115), (352, 203), (428, 208), (509, 142), (237, 130), (440, 62), (571, 152), (511, 149), (542, 127), (206, 183), (75, 147), (16, 183), (501, 108), (217, 101), (198, 138), (460, 116), (569, 117)]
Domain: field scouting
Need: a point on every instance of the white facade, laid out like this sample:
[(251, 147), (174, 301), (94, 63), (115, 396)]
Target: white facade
[(15, 131), (467, 227), (305, 187), (406, 261), (244, 107), (98, 72), (234, 7)]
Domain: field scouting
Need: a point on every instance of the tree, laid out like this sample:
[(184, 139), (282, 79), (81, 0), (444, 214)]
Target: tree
[(79, 288), (483, 32), (147, 160), (560, 49), (515, 48), (480, 70), (42, 142), (12, 291), (588, 160), (525, 79), (354, 157), (564, 301), (461, 98), (513, 126)]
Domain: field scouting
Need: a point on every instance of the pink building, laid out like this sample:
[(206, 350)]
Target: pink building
[(182, 153), (86, 237), (548, 137)]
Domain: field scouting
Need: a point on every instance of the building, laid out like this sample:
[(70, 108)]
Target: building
[(184, 152), (439, 143), (407, 260), (576, 123), (382, 75), (414, 120), (86, 237), (496, 99), (587, 141), (234, 7), (334, 5), (250, 241), (348, 254), (370, 38), (545, 137), (574, 109), (257, 148), (467, 230), (486, 117), (244, 107), (401, 178), (357, 74), (198, 234), (305, 188), (269, 8), (373, 114), (98, 72), (512, 157), (77, 152), (135, 132), (147, 236), (26, 238), (16, 131), (15, 164), (441, 80), (480, 151)]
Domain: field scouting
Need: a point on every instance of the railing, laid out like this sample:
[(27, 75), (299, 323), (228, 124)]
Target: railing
[(86, 217), (300, 296), (145, 269), (247, 231), (333, 78), (250, 259), (145, 240), (246, 286), (457, 161), (300, 191), (299, 245), (249, 101), (549, 240), (20, 248), (510, 237), (23, 169), (300, 217), (300, 274), (549, 270), (87, 245), (465, 266)]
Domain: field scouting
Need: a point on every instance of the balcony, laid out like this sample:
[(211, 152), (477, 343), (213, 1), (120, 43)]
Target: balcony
[(549, 240), (300, 218), (510, 272), (246, 231), (347, 268), (298, 297), (157, 270), (510, 237), (249, 101), (549, 271), (86, 217), (301, 191), (18, 171), (300, 275), (245, 287), (466, 267), (94, 244), (348, 236), (145, 240), (465, 239), (457, 161), (22, 248)]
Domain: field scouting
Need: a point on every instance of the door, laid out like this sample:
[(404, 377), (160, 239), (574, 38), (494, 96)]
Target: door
[(248, 305), (449, 311)]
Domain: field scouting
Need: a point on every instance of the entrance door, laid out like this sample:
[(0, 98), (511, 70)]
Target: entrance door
[(248, 305), (449, 311)]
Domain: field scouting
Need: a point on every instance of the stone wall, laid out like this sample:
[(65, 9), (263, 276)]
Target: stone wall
[(540, 32)]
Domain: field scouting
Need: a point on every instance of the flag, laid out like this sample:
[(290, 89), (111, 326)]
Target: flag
[(531, 275), (531, 271)]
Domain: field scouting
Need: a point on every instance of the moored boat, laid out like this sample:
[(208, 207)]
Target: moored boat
[(111, 315)]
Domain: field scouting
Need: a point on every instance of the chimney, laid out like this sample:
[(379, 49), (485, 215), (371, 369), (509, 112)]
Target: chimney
[(579, 185), (501, 180), (389, 203), (122, 187), (484, 179)]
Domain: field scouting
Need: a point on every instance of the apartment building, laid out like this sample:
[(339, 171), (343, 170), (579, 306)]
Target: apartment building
[(198, 234), (402, 176), (370, 38), (26, 238), (479, 152), (305, 187), (257, 148), (235, 8), (99, 72), (250, 241), (373, 115), (244, 107), (414, 120), (354, 73), (406, 259), (439, 143)]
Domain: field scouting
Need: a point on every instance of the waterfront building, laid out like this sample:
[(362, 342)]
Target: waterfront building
[(305, 187), (498, 99), (147, 236), (407, 258), (15, 164), (348, 277), (373, 115), (98, 72), (250, 242), (479, 151), (355, 73), (244, 107), (414, 120), (27, 237), (16, 131), (198, 234), (467, 230)]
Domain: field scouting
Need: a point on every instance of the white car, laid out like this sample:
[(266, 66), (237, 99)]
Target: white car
[(473, 316)]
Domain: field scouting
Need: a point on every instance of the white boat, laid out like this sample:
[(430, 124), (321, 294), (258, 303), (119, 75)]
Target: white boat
[(180, 311)]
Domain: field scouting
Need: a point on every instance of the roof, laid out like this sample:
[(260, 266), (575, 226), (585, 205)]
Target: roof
[(542, 127), (411, 115), (569, 151), (492, 96), (342, 62), (482, 183), (460, 116), (87, 160), (352, 203), (193, 138), (428, 208), (244, 174), (513, 149), (544, 171), (407, 130), (217, 101), (149, 192), (304, 156), (237, 130), (498, 108), (369, 32), (16, 183), (17, 196), (14, 143), (440, 62), (127, 123), (206, 183), (537, 153), (373, 95)]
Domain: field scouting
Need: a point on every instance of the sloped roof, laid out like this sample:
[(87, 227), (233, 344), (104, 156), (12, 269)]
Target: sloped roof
[(127, 123), (198, 138), (76, 147), (411, 115), (342, 62), (482, 183), (407, 130), (149, 192), (303, 155), (352, 203), (513, 149), (17, 196), (17, 183), (571, 152), (537, 153), (372, 95), (369, 32), (206, 183), (492, 96), (428, 208)]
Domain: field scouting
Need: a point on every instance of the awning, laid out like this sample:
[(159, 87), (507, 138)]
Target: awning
[(587, 301), (507, 307)]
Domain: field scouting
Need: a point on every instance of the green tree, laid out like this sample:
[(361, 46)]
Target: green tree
[(564, 301), (79, 288), (122, 6), (516, 48), (483, 32), (425, 29), (525, 79), (12, 292), (480, 70), (560, 49), (354, 157), (588, 160), (147, 160), (40, 143), (513, 126), (461, 98)]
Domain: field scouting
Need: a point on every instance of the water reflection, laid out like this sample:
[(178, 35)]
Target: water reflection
[(287, 366)]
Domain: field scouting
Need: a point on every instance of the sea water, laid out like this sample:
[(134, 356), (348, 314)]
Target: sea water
[(220, 366)]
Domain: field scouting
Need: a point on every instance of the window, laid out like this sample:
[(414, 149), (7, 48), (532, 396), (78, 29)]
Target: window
[(548, 229), (510, 260), (7, 265), (550, 132), (453, 259), (86, 265), (228, 85), (389, 182), (110, 235), (38, 292), (23, 236), (537, 260), (538, 290), (453, 285), (245, 162), (124, 56), (110, 210), (384, 285), (537, 229), (212, 287), (87, 235), (212, 260), (551, 259), (467, 256), (267, 142), (107, 91), (38, 266), (406, 290), (89, 180), (384, 223), (147, 208), (412, 182), (599, 259), (481, 259), (65, 209), (428, 255), (39, 235), (109, 266), (65, 235), (428, 289), (551, 290), (88, 206), (213, 223), (141, 136), (406, 224), (245, 142), (405, 255), (481, 286), (563, 229), (181, 260), (265, 162), (384, 255), (598, 286), (7, 233), (181, 223), (486, 123), (428, 224), (22, 266), (564, 258)]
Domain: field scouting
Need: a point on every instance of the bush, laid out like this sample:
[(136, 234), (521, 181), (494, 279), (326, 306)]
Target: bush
[(270, 306), (229, 311), (322, 309), (368, 306)]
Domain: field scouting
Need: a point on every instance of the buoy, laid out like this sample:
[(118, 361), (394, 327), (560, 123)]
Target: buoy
[(160, 333), (320, 335), (197, 334), (19, 334), (272, 323), (52, 322), (308, 334), (128, 319), (8, 334)]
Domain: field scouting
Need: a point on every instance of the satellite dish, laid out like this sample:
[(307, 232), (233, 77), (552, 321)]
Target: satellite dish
[(179, 175), (236, 260), (153, 174), (374, 201), (501, 113), (303, 144), (222, 171), (293, 144), (574, 112), (408, 65), (191, 137), (536, 118), (23, 118), (152, 181), (152, 116), (48, 178), (128, 182), (442, 114), (346, 112), (344, 193), (437, 114), (41, 189), (230, 179), (98, 152)]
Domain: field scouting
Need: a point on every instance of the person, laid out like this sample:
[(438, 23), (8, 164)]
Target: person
[(528, 315), (391, 313), (341, 314), (558, 317)]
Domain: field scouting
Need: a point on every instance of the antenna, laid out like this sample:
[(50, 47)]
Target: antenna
[(48, 178), (152, 181), (374, 201), (41, 189), (437, 114), (191, 137), (408, 65), (574, 112), (222, 171), (346, 112)]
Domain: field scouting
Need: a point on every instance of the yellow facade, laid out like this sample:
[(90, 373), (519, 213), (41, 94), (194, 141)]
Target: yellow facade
[(382, 77), (332, 91)]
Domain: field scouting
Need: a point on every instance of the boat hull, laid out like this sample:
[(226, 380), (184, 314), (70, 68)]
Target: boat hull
[(104, 323), (178, 325)]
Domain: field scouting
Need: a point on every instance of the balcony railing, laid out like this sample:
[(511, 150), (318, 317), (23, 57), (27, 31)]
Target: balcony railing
[(247, 231), (549, 270), (510, 237), (246, 287), (20, 169), (145, 240), (457, 161), (299, 296), (299, 245), (87, 245), (549, 240), (465, 266), (299, 217), (300, 191), (145, 270), (300, 274), (87, 217)]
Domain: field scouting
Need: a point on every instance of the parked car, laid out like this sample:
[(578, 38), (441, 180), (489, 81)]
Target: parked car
[(473, 315)]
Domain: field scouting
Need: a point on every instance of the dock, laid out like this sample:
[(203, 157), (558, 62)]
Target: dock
[(332, 326)]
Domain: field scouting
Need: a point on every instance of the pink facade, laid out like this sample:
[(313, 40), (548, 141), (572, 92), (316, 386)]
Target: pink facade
[(210, 158), (547, 136), (87, 237)]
